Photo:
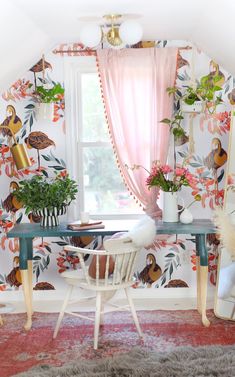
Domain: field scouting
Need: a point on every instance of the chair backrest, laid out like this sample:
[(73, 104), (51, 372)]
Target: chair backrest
[(122, 252)]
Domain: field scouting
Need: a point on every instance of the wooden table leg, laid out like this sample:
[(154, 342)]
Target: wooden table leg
[(198, 278), (26, 281), (198, 285), (30, 269), (203, 275)]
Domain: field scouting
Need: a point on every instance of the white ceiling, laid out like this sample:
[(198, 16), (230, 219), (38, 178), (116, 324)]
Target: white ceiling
[(30, 27)]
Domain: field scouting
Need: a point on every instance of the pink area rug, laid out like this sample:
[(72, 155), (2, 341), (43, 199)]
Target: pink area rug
[(163, 331)]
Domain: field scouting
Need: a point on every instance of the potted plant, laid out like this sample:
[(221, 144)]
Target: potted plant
[(201, 96), (46, 95), (176, 128), (46, 197)]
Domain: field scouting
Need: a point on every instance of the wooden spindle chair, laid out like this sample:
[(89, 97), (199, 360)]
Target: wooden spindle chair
[(123, 253)]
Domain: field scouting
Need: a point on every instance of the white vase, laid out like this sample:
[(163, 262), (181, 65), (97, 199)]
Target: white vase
[(186, 216), (196, 107), (170, 213), (45, 111)]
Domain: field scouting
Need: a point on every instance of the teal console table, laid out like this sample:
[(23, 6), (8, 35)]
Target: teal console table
[(26, 233)]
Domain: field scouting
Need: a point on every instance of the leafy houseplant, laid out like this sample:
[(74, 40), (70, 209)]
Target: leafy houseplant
[(49, 95), (176, 128), (46, 197), (46, 95), (204, 91)]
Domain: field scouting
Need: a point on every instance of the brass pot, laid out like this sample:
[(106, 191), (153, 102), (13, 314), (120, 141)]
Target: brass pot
[(20, 156)]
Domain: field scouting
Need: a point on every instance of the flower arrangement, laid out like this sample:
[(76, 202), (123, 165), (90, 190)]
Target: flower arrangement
[(168, 179)]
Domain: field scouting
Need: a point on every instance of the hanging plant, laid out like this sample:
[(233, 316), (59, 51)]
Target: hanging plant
[(180, 136), (46, 94)]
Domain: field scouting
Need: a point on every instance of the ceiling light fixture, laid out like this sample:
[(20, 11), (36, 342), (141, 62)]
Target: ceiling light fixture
[(115, 33)]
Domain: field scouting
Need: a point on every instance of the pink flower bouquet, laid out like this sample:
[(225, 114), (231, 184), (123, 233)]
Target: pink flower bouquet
[(168, 179)]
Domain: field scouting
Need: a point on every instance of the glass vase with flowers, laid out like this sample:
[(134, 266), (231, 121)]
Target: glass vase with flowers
[(170, 181)]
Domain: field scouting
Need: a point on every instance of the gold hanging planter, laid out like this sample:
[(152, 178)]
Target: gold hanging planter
[(19, 153)]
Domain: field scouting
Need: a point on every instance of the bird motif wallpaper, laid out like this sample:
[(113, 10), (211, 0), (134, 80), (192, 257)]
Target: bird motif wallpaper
[(170, 262)]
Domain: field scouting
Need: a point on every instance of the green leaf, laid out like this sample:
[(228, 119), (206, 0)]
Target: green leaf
[(171, 270), (56, 167), (163, 280), (166, 121), (30, 121), (47, 158), (170, 255), (30, 106)]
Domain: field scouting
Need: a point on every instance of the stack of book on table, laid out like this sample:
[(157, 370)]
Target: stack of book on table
[(77, 225)]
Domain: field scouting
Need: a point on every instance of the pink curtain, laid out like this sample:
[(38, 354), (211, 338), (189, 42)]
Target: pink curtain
[(134, 82)]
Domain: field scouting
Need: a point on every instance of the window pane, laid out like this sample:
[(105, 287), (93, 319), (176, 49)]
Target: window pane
[(105, 192), (94, 124)]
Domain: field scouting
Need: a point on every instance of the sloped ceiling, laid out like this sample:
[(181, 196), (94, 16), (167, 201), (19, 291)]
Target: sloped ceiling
[(30, 27)]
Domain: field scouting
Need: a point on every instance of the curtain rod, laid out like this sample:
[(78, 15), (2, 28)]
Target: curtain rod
[(93, 52)]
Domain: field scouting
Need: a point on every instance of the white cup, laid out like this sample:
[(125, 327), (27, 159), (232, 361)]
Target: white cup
[(84, 217)]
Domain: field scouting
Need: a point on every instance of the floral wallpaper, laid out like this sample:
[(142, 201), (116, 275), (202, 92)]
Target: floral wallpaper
[(170, 261)]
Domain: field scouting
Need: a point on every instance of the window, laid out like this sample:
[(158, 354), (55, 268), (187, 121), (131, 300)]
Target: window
[(101, 188)]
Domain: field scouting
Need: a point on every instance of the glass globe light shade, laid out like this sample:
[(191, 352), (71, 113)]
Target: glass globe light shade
[(130, 32), (90, 35)]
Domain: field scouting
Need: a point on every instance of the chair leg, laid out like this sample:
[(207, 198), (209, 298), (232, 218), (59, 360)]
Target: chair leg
[(97, 319), (61, 315), (133, 311), (102, 310)]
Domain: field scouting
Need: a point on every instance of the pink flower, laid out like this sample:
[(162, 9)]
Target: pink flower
[(166, 169), (180, 171)]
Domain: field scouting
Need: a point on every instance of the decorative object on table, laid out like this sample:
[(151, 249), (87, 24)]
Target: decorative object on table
[(144, 232), (47, 197), (18, 151), (170, 207), (186, 216), (84, 217), (170, 182), (77, 225)]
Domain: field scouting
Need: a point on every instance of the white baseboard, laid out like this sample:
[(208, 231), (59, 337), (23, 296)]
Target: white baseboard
[(145, 293)]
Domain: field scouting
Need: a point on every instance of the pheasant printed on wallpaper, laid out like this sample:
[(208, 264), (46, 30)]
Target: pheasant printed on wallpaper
[(38, 67), (11, 204), (38, 140), (14, 277), (12, 121), (151, 272), (216, 158)]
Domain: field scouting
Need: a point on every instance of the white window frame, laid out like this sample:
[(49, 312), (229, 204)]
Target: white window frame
[(73, 68)]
